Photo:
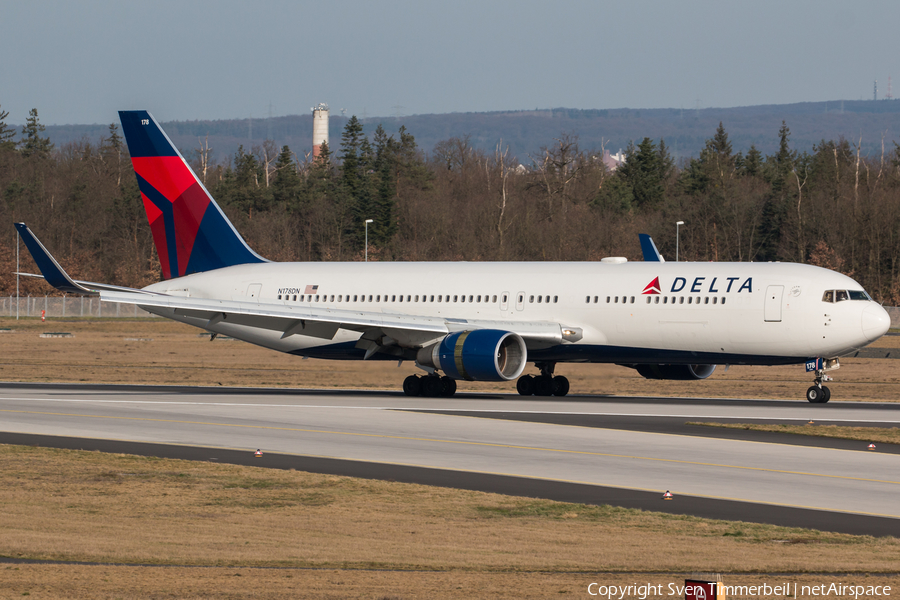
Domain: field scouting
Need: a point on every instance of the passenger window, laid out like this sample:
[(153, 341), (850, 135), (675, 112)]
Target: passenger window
[(455, 298), (656, 299), (595, 299), (714, 299), (378, 298), (370, 297), (555, 298), (531, 299), (648, 299), (689, 299), (681, 299), (632, 299), (339, 298), (494, 299), (540, 298), (616, 301), (665, 299), (706, 300), (723, 300)]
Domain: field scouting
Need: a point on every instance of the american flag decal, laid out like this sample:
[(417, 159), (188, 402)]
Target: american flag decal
[(311, 289)]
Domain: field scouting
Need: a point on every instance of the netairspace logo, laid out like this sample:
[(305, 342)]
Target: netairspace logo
[(736, 592)]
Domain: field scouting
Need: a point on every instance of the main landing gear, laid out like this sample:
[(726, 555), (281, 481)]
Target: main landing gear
[(544, 384), (818, 393), (430, 386)]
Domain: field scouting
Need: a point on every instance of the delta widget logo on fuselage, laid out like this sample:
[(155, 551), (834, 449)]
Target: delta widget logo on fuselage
[(700, 285)]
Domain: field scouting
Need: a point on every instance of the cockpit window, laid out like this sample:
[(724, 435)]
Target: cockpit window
[(841, 295)]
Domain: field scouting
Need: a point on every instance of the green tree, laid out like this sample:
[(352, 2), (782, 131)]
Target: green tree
[(287, 185), (7, 133), (777, 169), (752, 164), (241, 187), (32, 144), (642, 170)]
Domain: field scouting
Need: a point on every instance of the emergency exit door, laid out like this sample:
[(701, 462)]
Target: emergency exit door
[(773, 303)]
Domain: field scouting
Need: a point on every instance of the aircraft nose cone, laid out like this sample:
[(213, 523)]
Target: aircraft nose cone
[(875, 322)]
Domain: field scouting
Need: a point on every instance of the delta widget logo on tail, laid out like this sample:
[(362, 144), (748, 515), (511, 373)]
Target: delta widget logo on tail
[(699, 285)]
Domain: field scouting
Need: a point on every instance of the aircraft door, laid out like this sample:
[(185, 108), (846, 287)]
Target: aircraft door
[(504, 301), (520, 301), (253, 291), (772, 309)]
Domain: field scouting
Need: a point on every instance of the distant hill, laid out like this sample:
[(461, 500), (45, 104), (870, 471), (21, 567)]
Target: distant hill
[(684, 130)]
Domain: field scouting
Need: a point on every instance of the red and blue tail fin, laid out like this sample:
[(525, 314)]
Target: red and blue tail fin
[(190, 231)]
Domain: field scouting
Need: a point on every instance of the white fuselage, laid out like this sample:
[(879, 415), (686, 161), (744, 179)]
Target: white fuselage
[(718, 313)]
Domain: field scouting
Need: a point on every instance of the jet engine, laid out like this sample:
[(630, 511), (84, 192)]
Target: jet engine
[(478, 355), (682, 372)]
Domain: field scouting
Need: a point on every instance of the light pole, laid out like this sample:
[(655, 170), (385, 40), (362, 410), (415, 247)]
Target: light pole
[(367, 238), (677, 225)]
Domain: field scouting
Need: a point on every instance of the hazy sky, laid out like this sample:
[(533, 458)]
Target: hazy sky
[(80, 62)]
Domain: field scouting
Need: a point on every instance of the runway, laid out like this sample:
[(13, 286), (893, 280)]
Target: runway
[(585, 449)]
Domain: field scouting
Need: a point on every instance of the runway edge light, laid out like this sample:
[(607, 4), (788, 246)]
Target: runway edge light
[(257, 453), (667, 496), (871, 446)]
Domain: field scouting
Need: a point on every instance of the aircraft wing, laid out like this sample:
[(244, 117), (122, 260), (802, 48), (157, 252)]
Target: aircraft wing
[(649, 250), (408, 330), (55, 275), (405, 330)]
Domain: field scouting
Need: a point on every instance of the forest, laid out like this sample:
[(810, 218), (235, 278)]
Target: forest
[(832, 205)]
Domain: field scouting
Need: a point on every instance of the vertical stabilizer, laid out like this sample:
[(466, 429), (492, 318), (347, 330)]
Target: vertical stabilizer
[(190, 231)]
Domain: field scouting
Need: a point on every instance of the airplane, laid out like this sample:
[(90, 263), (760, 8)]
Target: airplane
[(479, 321)]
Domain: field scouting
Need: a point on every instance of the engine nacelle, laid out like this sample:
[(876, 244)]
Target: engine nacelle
[(478, 355), (682, 372)]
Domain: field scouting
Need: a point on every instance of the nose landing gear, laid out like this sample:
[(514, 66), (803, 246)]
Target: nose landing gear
[(818, 393)]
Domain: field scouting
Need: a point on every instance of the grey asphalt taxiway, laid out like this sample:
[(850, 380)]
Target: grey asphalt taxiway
[(622, 451)]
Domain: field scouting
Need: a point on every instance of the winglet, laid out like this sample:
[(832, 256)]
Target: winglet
[(651, 254), (50, 269)]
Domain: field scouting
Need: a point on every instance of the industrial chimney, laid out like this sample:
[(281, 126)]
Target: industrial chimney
[(320, 128)]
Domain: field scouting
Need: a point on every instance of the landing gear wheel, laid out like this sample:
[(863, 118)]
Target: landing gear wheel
[(412, 386), (448, 387), (827, 395), (817, 395), (525, 385), (432, 386), (543, 385), (560, 386)]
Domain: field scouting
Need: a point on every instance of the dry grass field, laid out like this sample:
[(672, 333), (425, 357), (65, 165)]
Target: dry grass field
[(178, 529), (155, 351), (269, 533)]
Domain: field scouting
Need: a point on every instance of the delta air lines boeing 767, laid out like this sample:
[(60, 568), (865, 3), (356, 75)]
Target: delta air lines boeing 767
[(479, 321)]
